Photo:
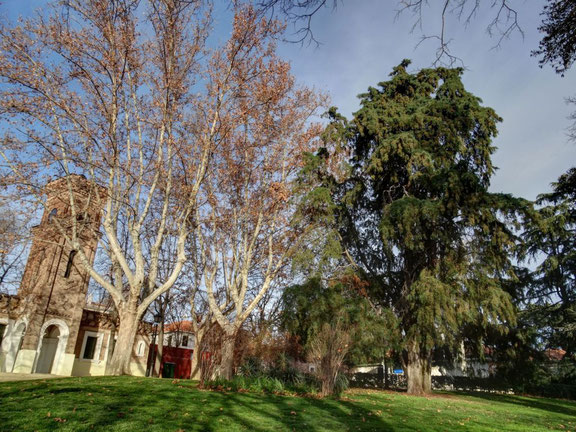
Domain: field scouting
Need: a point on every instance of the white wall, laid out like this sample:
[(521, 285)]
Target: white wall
[(177, 339)]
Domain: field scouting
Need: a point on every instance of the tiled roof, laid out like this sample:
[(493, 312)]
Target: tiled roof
[(179, 326)]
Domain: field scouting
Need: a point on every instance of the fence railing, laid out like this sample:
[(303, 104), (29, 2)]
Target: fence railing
[(462, 383)]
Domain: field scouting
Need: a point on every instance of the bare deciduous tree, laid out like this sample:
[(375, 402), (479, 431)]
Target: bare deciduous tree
[(503, 24), (300, 13), (128, 94), (245, 229), (328, 348), (13, 246)]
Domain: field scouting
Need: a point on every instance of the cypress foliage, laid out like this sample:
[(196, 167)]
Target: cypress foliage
[(550, 237), (409, 199)]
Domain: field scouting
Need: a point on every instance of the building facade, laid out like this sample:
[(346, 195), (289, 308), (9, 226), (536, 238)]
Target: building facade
[(48, 327)]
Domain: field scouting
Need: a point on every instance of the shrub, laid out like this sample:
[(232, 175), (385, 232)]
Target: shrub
[(280, 378), (255, 385), (341, 384), (273, 385), (328, 348), (265, 384), (252, 367), (285, 372)]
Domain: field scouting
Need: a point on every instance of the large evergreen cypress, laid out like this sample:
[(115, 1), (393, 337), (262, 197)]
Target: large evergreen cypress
[(551, 292), (413, 210)]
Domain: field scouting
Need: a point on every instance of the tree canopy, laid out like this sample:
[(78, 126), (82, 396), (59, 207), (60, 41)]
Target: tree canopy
[(550, 239), (413, 210), (169, 131), (558, 45), (308, 306)]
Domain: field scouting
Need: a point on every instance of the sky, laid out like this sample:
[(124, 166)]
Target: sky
[(361, 40)]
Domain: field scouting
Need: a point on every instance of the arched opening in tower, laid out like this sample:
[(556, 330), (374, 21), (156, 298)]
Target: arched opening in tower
[(48, 350)]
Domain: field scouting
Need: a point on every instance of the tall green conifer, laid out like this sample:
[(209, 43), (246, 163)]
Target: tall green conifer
[(410, 203), (551, 238)]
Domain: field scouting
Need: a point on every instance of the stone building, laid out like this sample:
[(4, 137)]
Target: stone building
[(48, 327)]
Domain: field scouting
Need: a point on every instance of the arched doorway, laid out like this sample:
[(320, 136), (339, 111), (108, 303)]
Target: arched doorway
[(13, 345), (51, 347), (48, 350)]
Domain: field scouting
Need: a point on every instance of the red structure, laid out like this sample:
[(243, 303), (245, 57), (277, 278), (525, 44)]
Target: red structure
[(176, 362)]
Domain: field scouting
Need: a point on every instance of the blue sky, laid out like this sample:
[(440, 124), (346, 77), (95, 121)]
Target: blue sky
[(362, 40)]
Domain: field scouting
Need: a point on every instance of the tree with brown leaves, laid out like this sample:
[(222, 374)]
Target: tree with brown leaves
[(246, 230), (129, 95)]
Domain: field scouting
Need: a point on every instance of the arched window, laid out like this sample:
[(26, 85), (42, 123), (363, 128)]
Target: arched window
[(53, 213), (141, 348), (70, 263), (2, 330)]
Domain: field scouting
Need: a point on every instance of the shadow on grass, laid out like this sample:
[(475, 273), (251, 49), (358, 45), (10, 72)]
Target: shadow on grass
[(268, 412), (559, 406), (219, 411), (155, 405)]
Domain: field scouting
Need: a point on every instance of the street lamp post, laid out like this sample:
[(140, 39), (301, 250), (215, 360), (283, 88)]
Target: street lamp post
[(151, 360)]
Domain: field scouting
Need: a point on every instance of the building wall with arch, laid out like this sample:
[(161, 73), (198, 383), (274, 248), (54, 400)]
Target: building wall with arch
[(62, 362), (11, 342), (53, 292)]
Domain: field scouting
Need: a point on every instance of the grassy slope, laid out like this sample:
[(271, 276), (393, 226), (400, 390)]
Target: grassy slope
[(137, 404)]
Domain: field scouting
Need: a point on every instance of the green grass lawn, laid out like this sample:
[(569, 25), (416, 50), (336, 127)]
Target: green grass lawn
[(138, 404)]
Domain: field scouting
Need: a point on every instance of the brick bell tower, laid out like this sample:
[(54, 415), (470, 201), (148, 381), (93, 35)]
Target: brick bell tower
[(54, 285)]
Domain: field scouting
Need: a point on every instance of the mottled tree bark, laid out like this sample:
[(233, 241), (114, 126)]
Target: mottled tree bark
[(227, 361), (418, 370), (120, 362), (197, 354), (159, 350)]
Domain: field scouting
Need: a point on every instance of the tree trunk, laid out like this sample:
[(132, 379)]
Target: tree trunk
[(196, 372), (159, 350), (328, 380), (111, 349), (227, 361), (120, 363), (386, 376), (418, 370)]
